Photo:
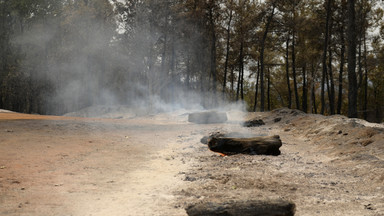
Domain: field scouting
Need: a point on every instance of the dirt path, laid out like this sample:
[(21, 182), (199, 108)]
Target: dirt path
[(156, 165), (77, 166)]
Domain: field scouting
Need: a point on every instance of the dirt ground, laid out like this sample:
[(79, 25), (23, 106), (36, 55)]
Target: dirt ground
[(156, 164)]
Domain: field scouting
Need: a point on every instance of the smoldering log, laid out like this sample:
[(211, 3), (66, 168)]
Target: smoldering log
[(243, 208), (209, 117), (266, 145)]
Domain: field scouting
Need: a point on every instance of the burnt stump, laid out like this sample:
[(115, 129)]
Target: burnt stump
[(265, 145), (243, 208), (209, 117)]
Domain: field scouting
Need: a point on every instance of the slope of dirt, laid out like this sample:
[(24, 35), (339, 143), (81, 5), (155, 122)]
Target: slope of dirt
[(156, 165)]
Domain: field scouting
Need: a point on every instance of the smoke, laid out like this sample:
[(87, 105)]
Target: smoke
[(79, 60)]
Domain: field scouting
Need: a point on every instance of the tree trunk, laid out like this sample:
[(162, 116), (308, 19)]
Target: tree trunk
[(359, 72), (262, 90), (239, 79), (360, 24), (294, 71), (330, 71), (313, 95), (324, 74), (377, 99), (150, 74), (172, 67), (341, 70), (203, 65), (257, 85), (287, 73), (352, 81), (4, 44), (269, 89), (213, 53), (269, 20), (328, 89), (242, 75), (238, 85), (332, 87), (359, 65), (365, 106), (227, 54), (163, 71), (187, 81), (305, 90), (232, 81), (199, 58), (314, 101)]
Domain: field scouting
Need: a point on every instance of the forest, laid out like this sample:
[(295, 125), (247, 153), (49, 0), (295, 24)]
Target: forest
[(318, 56)]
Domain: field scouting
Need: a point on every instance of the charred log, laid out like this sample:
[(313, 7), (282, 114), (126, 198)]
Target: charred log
[(268, 145), (210, 117), (254, 123), (205, 139), (244, 208)]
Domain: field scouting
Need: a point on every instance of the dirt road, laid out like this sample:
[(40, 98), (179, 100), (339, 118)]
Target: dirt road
[(155, 165)]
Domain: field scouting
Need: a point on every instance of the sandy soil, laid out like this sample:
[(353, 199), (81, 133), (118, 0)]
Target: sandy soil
[(156, 165)]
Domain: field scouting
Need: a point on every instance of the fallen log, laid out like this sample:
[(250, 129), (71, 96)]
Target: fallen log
[(243, 208), (209, 117), (266, 145)]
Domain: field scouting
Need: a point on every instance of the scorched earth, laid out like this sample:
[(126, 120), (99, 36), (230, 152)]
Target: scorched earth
[(156, 165)]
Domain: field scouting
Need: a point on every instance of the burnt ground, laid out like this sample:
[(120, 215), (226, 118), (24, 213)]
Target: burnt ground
[(156, 165)]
